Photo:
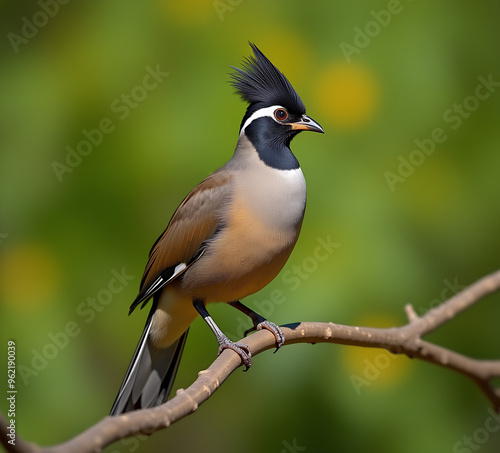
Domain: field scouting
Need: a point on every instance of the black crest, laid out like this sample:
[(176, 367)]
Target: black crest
[(260, 82)]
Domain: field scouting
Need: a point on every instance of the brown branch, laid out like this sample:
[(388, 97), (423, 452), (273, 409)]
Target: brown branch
[(406, 339)]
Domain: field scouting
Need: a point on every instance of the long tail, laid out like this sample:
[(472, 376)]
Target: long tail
[(150, 375)]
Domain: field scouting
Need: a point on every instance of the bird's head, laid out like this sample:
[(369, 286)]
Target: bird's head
[(275, 113)]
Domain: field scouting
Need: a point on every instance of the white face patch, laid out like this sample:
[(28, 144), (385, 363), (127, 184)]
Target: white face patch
[(266, 111)]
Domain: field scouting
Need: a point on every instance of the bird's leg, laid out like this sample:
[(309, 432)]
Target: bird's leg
[(259, 323), (224, 342)]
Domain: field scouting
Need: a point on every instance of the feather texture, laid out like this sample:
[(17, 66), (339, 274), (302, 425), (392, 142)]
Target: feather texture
[(195, 221), (150, 375), (260, 82)]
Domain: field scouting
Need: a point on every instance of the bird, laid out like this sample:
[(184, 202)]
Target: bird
[(228, 238)]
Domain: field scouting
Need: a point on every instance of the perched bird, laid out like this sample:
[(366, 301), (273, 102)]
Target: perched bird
[(229, 237)]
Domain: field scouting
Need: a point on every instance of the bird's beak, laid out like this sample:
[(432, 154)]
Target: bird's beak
[(307, 124)]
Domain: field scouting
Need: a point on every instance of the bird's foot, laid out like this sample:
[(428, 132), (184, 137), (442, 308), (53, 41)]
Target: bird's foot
[(275, 330), (241, 349), (259, 323)]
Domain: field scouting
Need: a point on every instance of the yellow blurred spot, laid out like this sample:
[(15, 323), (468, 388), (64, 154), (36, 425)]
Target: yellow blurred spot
[(347, 95), (191, 13), (29, 277), (371, 368)]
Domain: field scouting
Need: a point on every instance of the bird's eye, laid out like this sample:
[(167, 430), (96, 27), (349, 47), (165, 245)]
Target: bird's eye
[(280, 114)]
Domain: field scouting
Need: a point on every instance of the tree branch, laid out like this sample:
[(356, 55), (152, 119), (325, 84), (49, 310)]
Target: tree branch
[(406, 339)]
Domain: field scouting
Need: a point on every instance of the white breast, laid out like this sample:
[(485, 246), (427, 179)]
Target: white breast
[(277, 198)]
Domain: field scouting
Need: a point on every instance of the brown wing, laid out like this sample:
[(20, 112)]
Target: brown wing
[(194, 221)]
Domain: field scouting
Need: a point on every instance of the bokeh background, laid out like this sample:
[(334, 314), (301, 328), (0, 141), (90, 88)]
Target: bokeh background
[(419, 238)]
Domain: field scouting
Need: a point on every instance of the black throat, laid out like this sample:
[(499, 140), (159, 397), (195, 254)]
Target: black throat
[(272, 142)]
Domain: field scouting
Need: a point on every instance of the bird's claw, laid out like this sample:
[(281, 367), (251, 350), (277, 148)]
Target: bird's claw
[(241, 349), (275, 330)]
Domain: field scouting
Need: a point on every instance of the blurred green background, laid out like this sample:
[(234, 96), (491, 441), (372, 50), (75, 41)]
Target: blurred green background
[(377, 81)]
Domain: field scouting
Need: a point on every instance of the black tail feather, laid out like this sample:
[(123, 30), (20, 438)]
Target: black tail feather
[(150, 375)]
